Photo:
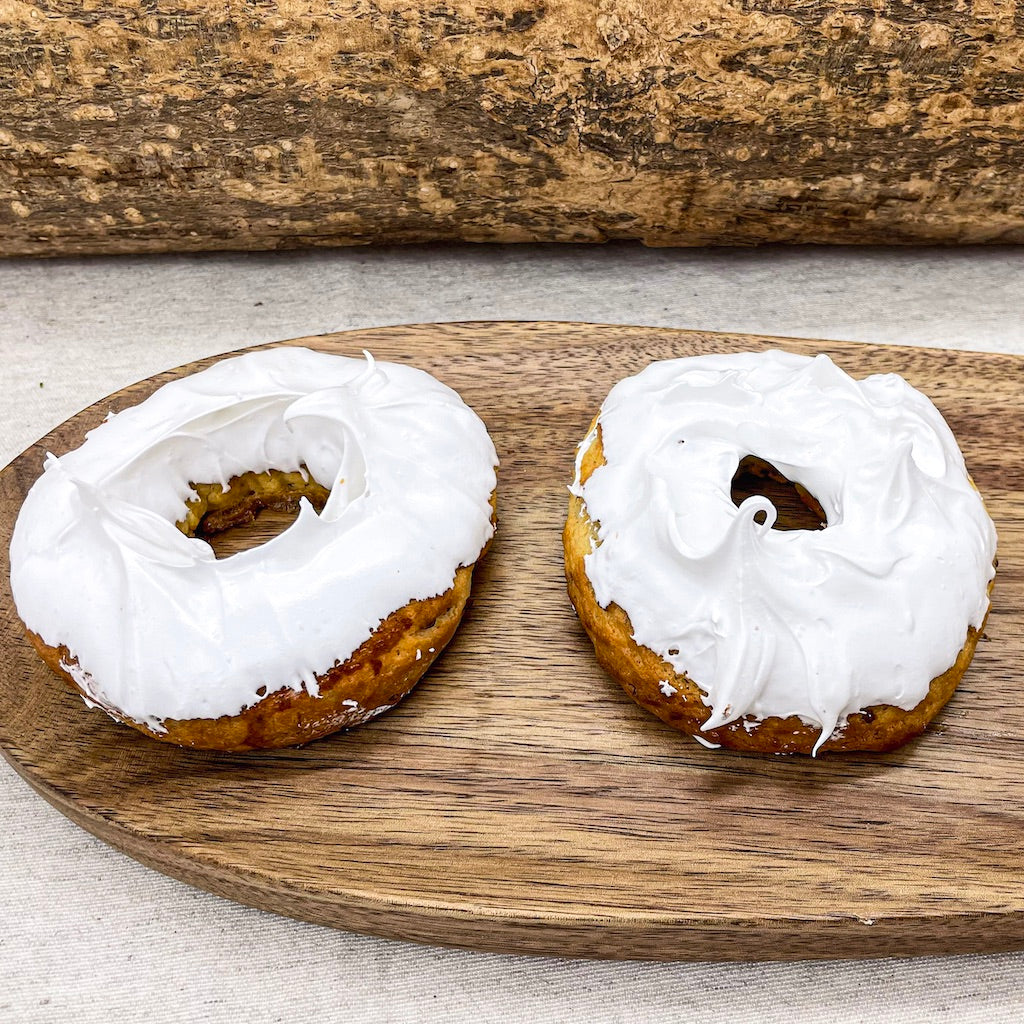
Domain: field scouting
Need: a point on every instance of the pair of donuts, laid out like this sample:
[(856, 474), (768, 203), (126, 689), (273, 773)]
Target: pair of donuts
[(847, 637)]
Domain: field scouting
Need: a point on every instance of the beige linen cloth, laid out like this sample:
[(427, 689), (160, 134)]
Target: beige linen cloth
[(88, 935)]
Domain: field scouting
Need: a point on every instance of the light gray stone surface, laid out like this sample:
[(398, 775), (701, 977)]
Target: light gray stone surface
[(89, 935)]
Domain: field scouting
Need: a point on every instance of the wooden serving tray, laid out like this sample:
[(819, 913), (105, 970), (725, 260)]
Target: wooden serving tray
[(518, 800)]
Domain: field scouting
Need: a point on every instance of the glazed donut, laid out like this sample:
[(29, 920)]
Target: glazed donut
[(323, 626), (849, 637)]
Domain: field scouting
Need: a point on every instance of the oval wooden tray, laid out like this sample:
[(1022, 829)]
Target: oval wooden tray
[(518, 800)]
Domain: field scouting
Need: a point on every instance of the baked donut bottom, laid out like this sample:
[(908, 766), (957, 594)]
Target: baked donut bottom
[(642, 672), (375, 677)]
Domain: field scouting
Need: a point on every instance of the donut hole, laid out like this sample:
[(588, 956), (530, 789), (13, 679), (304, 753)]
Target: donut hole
[(797, 508), (252, 509)]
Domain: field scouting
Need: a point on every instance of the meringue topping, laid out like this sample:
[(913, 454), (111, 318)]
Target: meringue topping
[(158, 627), (814, 623)]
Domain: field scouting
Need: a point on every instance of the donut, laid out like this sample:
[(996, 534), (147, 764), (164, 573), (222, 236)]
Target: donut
[(322, 627), (846, 637)]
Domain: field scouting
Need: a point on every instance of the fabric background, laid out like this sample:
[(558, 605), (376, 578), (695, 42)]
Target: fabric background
[(87, 934)]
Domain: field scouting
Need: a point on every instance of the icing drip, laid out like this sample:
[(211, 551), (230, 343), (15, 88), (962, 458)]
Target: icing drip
[(158, 626), (819, 624)]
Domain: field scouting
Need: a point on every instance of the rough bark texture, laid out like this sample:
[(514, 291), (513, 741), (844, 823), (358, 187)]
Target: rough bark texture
[(151, 125)]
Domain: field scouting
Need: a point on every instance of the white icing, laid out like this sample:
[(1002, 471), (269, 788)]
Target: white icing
[(819, 624), (159, 627), (707, 743)]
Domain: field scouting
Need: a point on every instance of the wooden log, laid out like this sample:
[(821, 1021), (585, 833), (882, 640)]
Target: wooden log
[(155, 125)]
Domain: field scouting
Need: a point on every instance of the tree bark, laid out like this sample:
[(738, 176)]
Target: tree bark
[(163, 125)]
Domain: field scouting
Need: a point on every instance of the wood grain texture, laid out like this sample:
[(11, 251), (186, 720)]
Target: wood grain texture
[(156, 125), (517, 799)]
